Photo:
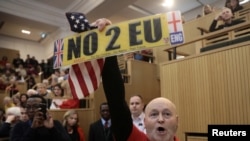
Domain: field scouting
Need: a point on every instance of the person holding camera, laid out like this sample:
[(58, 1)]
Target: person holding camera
[(40, 126)]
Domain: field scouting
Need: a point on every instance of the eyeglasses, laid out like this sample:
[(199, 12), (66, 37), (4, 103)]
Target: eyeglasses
[(35, 106)]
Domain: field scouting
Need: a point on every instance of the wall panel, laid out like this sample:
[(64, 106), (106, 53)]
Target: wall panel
[(210, 88)]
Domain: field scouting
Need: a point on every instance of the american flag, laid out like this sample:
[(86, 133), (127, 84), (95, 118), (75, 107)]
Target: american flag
[(84, 78), (58, 53)]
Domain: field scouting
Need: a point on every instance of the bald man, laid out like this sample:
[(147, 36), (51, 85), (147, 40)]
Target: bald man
[(161, 120), (226, 16)]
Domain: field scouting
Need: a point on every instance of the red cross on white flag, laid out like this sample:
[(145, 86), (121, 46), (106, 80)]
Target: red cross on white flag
[(174, 21)]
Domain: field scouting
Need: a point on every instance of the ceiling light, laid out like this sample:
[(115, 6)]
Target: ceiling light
[(168, 3), (43, 35), (25, 31)]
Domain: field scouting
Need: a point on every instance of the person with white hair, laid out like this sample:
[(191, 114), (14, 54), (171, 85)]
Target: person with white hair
[(13, 115), (31, 92)]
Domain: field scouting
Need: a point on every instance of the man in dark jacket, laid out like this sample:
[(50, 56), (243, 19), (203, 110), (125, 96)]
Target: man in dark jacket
[(41, 126), (100, 130), (227, 17)]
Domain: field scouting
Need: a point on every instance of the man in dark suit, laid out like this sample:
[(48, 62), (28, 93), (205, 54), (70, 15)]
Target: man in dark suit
[(100, 130)]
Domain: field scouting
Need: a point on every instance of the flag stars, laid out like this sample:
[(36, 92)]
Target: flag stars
[(82, 26), (72, 17)]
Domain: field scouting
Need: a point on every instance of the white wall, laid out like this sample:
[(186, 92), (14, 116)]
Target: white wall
[(41, 51), (193, 13), (25, 47)]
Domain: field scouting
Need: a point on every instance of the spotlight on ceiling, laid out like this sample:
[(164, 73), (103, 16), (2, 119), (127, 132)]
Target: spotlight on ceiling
[(43, 35)]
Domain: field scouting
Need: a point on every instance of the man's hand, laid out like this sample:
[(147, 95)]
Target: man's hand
[(38, 120), (218, 17), (101, 23), (49, 122), (10, 119)]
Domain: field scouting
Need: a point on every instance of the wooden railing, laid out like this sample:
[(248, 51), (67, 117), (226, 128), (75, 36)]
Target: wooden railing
[(196, 28), (216, 37)]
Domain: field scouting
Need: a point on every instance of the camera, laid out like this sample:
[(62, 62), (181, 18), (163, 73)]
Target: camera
[(43, 109)]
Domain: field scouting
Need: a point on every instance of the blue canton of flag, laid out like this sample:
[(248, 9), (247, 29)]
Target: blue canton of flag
[(58, 53), (78, 22)]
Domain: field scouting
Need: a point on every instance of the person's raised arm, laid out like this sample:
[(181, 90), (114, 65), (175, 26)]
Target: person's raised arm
[(115, 93)]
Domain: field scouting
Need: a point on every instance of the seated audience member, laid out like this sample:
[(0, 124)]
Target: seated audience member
[(48, 86), (41, 89), (57, 99), (228, 4), (70, 123), (30, 82), (136, 108), (59, 102), (235, 6), (57, 91), (16, 99), (24, 115), (40, 126), (227, 17), (8, 102), (207, 9), (13, 115), (100, 130), (23, 99), (31, 92)]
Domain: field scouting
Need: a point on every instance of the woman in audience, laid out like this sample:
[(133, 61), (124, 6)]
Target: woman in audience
[(58, 93), (235, 5), (70, 123), (60, 102), (16, 99), (207, 9), (228, 4), (23, 99), (7, 102)]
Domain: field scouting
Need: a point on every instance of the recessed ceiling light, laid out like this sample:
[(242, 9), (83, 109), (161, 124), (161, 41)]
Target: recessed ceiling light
[(168, 3), (25, 31), (43, 35)]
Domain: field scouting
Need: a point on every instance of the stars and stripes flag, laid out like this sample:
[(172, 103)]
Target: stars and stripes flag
[(58, 53), (84, 78)]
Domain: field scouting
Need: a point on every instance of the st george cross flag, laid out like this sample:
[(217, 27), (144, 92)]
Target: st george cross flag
[(84, 78)]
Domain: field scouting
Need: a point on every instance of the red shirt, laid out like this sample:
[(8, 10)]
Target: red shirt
[(70, 104), (137, 135)]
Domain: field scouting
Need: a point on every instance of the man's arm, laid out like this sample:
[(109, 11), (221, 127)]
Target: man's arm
[(115, 93), (213, 26)]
